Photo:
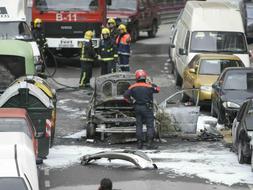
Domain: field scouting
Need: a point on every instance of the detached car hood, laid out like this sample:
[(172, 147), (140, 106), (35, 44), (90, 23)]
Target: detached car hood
[(237, 96), (138, 158), (120, 13)]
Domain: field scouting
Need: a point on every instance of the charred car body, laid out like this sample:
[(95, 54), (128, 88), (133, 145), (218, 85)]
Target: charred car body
[(108, 112)]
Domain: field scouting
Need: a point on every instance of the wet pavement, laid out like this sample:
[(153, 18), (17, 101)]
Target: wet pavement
[(151, 55)]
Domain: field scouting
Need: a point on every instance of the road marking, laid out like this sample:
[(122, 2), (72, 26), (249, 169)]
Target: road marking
[(166, 68), (166, 64), (47, 183), (46, 172)]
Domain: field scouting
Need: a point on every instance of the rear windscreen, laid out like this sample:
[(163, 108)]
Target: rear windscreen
[(11, 67)]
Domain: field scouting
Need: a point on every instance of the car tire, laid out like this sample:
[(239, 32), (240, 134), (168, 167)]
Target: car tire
[(153, 31), (178, 78), (212, 110), (241, 157), (90, 131), (134, 33)]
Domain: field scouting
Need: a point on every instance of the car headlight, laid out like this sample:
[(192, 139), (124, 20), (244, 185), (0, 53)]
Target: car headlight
[(206, 88), (230, 105)]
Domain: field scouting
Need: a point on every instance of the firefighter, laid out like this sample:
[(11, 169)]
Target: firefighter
[(111, 24), (87, 58), (123, 44), (107, 52), (39, 36), (105, 184), (142, 94)]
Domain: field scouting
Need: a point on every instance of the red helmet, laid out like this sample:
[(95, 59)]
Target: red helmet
[(140, 74)]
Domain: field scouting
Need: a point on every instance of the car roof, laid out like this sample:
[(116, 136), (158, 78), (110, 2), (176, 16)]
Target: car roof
[(217, 56), (238, 69), (13, 112)]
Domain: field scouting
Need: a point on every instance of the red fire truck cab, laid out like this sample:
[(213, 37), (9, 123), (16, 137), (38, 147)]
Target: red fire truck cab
[(65, 21)]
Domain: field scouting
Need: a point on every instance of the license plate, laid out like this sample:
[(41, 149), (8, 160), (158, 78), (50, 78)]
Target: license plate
[(66, 43)]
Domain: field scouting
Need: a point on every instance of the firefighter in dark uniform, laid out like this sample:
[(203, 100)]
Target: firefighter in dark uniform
[(142, 94), (107, 53), (39, 36), (123, 45), (111, 24), (87, 58)]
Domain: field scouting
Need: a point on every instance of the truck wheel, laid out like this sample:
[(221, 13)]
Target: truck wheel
[(90, 131), (241, 157), (153, 31), (134, 33), (177, 78)]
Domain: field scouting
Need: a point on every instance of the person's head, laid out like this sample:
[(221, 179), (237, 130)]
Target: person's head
[(105, 33), (122, 28), (105, 184), (37, 23), (141, 75), (88, 35), (111, 23)]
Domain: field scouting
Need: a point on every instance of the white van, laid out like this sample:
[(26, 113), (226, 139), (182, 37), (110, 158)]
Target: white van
[(208, 27), (13, 25)]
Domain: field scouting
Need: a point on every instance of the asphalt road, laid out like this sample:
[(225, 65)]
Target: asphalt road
[(148, 54)]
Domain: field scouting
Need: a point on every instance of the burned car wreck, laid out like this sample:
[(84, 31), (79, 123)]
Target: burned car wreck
[(108, 113)]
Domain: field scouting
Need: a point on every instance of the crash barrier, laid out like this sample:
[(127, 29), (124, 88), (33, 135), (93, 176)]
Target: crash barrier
[(40, 106)]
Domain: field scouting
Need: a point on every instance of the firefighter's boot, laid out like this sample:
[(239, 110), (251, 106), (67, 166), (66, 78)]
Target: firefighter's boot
[(139, 144), (151, 144)]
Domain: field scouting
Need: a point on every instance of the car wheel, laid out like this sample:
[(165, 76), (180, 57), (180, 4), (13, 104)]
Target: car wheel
[(212, 110), (153, 31), (241, 157), (178, 78), (90, 131), (134, 33)]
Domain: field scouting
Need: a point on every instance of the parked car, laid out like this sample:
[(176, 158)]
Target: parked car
[(202, 71), (231, 89), (108, 113), (16, 60), (18, 154), (242, 131), (208, 33), (137, 15)]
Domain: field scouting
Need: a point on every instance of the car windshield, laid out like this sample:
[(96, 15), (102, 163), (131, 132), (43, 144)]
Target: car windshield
[(15, 30), (14, 125), (239, 81), (12, 183), (232, 42), (215, 67), (67, 5), (123, 4)]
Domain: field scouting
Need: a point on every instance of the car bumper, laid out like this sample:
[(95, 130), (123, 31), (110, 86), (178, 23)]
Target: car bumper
[(205, 96)]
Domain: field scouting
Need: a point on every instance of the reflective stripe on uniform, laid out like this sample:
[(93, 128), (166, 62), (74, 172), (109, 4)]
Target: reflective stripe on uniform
[(107, 59), (86, 59), (82, 79), (123, 53)]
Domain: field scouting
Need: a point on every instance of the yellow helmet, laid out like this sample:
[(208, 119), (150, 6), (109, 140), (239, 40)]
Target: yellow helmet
[(105, 31), (122, 27), (111, 20), (88, 35), (36, 22)]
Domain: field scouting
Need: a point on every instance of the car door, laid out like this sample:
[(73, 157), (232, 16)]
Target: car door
[(216, 89), (189, 76)]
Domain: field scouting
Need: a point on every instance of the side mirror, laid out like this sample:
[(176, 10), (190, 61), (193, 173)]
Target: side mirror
[(108, 2), (182, 51), (192, 70)]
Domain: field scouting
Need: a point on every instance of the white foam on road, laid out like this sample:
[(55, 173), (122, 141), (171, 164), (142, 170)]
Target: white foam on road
[(77, 135)]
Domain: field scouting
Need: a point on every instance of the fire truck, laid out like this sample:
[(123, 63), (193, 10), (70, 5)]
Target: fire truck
[(65, 21)]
